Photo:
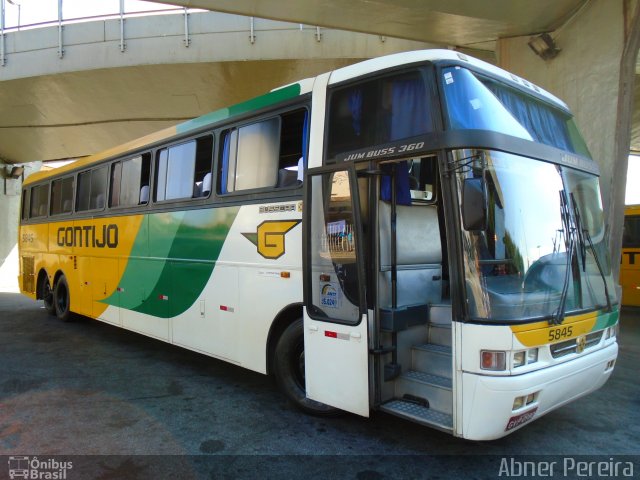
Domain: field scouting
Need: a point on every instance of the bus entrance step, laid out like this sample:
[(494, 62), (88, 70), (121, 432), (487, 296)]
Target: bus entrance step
[(419, 414)]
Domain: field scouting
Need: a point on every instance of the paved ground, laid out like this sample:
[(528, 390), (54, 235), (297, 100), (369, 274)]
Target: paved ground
[(87, 388)]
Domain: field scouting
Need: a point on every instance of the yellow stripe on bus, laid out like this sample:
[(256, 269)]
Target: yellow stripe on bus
[(92, 253), (540, 333)]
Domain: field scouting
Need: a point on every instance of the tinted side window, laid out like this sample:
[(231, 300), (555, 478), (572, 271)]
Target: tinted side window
[(25, 204), (92, 188), (184, 170), (379, 111), (62, 196), (130, 181), (266, 154), (39, 201), (631, 234)]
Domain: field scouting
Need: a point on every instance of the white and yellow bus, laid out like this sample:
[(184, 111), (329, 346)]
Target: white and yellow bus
[(420, 233)]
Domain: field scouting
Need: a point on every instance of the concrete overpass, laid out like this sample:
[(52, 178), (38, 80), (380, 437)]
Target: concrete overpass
[(111, 85), (594, 73)]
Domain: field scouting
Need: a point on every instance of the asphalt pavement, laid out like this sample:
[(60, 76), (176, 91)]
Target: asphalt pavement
[(123, 405)]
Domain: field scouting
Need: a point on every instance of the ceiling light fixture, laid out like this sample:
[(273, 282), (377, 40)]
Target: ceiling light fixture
[(544, 46)]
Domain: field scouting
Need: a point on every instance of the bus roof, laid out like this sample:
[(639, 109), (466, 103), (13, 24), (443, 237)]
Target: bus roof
[(440, 55), (293, 90)]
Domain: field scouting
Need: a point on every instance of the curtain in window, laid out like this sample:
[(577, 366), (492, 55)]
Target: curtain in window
[(410, 115), (545, 125), (355, 107)]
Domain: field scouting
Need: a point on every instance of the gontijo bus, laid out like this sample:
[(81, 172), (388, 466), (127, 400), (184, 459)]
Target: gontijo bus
[(420, 233)]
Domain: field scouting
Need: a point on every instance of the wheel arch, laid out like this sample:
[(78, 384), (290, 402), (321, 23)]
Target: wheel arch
[(58, 274), (283, 319)]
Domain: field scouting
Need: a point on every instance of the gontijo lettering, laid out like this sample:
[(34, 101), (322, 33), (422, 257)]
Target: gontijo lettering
[(88, 236)]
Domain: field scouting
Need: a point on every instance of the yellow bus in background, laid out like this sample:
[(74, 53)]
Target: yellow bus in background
[(630, 263)]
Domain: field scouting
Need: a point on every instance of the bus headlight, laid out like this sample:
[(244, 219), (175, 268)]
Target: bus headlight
[(525, 357), (519, 359), (493, 360)]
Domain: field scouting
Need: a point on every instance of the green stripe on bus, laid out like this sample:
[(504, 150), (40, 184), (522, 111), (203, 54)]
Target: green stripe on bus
[(257, 103), (172, 261), (606, 319)]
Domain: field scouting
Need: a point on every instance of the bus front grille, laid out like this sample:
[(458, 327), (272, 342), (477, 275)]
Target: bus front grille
[(571, 346), (28, 275)]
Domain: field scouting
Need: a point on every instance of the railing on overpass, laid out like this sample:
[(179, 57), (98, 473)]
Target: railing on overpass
[(123, 12), (60, 21)]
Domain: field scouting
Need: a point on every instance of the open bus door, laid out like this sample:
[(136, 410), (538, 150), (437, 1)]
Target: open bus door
[(335, 318)]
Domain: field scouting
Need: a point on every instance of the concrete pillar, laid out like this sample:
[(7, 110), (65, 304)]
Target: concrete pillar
[(592, 75)]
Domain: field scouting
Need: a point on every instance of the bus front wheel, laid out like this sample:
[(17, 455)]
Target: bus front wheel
[(61, 299), (289, 371)]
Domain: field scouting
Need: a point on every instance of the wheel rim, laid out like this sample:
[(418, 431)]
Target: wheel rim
[(47, 294), (61, 300), (297, 364)]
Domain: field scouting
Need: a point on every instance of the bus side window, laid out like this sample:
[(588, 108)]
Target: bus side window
[(202, 175), (265, 154), (181, 169), (293, 148), (631, 232), (61, 196), (250, 156), (92, 189), (128, 178), (25, 204), (39, 201)]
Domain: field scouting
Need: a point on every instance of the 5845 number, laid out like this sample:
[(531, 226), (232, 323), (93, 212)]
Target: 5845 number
[(560, 332)]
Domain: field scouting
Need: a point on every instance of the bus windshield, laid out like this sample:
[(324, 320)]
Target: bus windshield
[(516, 267), (476, 102)]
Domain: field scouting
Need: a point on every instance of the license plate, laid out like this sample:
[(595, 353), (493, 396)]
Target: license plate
[(518, 420)]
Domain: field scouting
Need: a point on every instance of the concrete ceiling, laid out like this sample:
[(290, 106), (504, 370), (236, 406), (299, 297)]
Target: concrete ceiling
[(74, 114), (468, 23)]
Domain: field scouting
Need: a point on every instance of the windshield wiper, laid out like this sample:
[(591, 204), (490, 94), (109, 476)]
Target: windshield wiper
[(583, 233), (570, 247)]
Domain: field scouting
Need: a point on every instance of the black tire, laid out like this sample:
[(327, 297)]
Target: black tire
[(47, 296), (288, 366), (61, 299)]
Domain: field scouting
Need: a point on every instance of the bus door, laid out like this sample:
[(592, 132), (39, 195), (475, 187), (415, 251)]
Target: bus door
[(335, 318)]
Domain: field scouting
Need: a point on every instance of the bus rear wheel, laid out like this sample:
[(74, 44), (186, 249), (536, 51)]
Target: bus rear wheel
[(61, 299), (288, 368), (47, 296)]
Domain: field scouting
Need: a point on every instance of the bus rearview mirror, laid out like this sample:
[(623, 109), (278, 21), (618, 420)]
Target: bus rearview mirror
[(474, 204)]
